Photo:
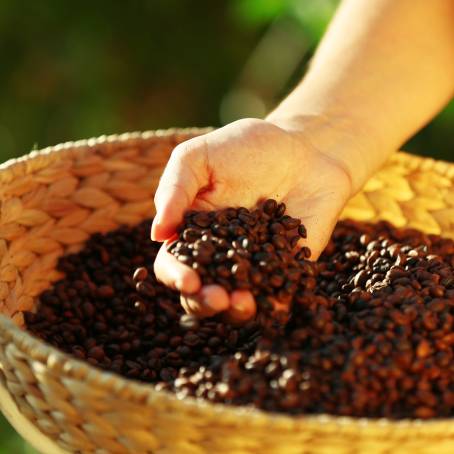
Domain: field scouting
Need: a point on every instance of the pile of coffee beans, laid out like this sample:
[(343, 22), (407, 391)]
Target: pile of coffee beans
[(242, 249), (370, 331), (110, 311)]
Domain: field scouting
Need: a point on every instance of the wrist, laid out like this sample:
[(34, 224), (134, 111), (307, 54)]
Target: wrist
[(349, 143)]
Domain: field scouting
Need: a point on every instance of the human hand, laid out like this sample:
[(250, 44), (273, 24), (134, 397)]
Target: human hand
[(238, 165)]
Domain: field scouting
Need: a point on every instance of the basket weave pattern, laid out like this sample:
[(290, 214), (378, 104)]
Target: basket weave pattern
[(51, 201)]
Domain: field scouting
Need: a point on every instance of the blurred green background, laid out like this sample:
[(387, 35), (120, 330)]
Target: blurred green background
[(73, 70)]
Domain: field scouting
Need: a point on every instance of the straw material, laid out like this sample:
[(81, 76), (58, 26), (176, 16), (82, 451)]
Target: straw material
[(51, 201)]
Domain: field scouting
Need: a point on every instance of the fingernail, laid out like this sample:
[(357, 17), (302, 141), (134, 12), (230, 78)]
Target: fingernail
[(156, 221)]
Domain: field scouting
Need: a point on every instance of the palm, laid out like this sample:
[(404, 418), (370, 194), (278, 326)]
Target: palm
[(237, 166), (244, 169), (273, 164)]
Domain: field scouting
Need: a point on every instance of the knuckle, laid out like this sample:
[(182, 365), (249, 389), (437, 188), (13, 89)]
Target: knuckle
[(186, 149)]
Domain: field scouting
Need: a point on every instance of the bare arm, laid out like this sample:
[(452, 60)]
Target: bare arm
[(383, 69)]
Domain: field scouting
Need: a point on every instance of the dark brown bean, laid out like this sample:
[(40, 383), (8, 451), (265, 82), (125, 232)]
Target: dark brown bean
[(201, 219), (279, 241), (191, 234), (280, 210), (302, 231), (270, 206), (290, 223), (140, 274), (277, 228), (369, 332), (106, 291)]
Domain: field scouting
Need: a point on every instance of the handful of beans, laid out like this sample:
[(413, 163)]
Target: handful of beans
[(369, 332), (248, 250)]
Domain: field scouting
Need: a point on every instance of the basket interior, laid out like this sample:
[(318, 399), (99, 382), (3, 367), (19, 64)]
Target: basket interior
[(52, 201)]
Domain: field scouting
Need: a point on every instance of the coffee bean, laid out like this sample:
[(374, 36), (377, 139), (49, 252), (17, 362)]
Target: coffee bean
[(290, 223), (191, 234), (240, 271), (360, 278), (223, 272), (270, 206), (140, 307), (280, 210), (277, 280), (202, 255), (186, 259), (191, 340), (302, 231), (144, 288), (369, 332), (96, 352), (277, 228), (279, 241), (246, 219), (88, 309), (189, 322), (140, 274), (227, 257), (306, 252), (201, 219), (106, 291), (294, 241)]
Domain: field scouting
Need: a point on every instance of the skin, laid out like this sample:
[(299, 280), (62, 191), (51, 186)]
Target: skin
[(383, 70)]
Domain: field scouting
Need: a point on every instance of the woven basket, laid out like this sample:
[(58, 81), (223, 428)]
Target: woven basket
[(51, 201)]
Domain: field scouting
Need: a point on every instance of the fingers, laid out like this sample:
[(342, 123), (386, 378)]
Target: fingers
[(185, 174), (201, 301), (242, 307), (210, 300), (174, 274), (239, 307)]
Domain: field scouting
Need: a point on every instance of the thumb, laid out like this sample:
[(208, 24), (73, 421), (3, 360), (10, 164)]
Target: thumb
[(185, 174)]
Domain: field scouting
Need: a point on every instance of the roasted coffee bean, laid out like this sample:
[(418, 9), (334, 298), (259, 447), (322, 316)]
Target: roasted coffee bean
[(277, 228), (229, 252), (140, 274), (280, 210), (277, 280), (223, 272), (201, 219), (270, 206), (191, 340), (279, 241), (140, 307), (305, 252), (96, 352), (369, 332), (302, 231), (106, 291), (189, 322), (294, 241), (290, 223), (146, 289)]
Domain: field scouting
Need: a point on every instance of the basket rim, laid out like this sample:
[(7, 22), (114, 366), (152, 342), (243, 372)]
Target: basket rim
[(64, 364)]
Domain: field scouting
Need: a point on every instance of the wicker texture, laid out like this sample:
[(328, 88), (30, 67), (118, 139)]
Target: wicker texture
[(51, 201)]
